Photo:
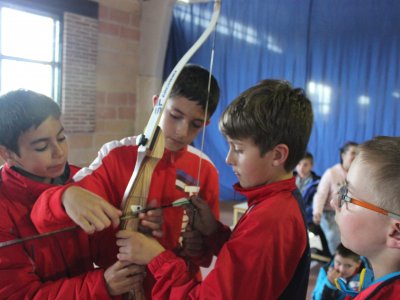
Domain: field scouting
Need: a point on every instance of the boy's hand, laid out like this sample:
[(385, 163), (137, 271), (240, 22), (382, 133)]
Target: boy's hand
[(122, 277), (332, 275), (202, 218), (192, 243), (151, 221), (91, 212), (317, 218), (135, 247)]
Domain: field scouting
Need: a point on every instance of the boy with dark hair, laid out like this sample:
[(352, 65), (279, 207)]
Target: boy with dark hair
[(350, 269), (307, 183), (368, 213), (267, 254), (107, 177), (34, 147)]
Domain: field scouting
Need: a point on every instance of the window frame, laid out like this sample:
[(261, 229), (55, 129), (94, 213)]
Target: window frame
[(56, 62)]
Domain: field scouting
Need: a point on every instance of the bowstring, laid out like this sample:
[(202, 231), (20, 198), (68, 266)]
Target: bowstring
[(206, 108)]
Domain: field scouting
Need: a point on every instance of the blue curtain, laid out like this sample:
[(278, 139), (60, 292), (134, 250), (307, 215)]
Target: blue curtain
[(344, 53)]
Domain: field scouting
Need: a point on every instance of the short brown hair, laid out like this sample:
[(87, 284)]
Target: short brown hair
[(347, 253), (382, 153), (271, 113), (197, 84), (21, 110)]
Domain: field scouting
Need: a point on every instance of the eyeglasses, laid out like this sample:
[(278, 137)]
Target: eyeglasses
[(343, 197)]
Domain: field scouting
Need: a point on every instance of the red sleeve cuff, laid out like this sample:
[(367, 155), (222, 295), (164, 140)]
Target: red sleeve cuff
[(157, 262), (48, 213)]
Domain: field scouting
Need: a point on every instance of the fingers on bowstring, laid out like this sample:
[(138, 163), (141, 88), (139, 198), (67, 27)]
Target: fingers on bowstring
[(153, 215), (112, 214), (193, 204), (198, 202)]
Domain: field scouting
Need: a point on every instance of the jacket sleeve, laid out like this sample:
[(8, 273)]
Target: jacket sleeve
[(210, 193), (173, 281), (19, 280), (245, 269), (324, 289), (48, 212)]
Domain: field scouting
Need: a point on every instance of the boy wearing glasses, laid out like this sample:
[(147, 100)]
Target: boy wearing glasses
[(367, 213)]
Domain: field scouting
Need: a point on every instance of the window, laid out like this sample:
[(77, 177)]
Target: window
[(30, 51), (321, 95)]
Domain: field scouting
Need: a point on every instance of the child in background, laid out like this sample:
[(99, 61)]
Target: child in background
[(107, 177), (267, 254), (368, 213), (307, 183), (346, 265), (34, 146), (331, 180)]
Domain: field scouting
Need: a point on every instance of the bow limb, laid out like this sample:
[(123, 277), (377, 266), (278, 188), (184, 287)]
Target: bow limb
[(170, 81), (151, 143), (147, 141)]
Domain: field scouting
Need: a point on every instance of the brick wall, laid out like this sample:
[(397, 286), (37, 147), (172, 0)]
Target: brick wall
[(111, 66), (79, 73), (101, 62)]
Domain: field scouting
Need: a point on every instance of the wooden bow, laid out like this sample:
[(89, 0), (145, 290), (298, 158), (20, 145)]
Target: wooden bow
[(151, 142)]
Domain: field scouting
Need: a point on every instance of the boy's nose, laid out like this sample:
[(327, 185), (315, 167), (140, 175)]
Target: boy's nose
[(58, 150), (228, 158), (340, 270), (182, 129)]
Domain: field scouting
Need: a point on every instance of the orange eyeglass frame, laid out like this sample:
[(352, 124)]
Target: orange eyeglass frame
[(344, 198)]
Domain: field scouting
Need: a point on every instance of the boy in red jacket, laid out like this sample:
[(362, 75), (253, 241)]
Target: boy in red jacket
[(266, 256), (368, 213), (34, 146), (108, 176)]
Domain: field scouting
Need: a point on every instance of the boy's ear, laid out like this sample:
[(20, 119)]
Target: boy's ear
[(281, 152), (7, 155), (393, 240), (155, 99)]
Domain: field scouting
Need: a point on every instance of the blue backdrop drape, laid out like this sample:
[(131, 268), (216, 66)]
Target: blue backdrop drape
[(344, 53)]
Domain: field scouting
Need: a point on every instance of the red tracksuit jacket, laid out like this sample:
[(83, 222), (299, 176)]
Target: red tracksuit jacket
[(384, 288), (109, 175), (265, 257), (53, 267)]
